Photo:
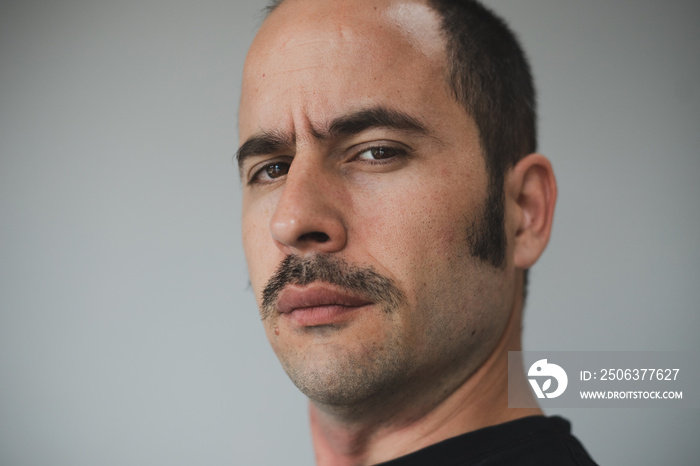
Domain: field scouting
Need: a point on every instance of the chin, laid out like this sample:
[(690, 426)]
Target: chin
[(336, 375)]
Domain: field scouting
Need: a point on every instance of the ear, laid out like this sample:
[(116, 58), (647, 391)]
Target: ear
[(531, 194)]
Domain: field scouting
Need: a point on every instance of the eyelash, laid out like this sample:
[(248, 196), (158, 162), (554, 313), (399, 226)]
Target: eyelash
[(393, 151)]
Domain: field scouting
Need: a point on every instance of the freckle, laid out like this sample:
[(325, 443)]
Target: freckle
[(473, 332), (277, 331)]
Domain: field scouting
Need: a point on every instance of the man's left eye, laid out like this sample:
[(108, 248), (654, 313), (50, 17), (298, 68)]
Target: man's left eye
[(380, 153)]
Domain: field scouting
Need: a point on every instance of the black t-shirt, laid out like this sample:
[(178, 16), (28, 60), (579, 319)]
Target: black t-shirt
[(530, 441)]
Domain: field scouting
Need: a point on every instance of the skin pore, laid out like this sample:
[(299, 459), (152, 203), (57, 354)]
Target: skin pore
[(358, 162)]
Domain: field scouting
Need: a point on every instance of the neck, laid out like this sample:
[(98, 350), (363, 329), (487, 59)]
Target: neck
[(481, 401)]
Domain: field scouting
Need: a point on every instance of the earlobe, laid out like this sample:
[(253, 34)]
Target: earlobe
[(533, 191)]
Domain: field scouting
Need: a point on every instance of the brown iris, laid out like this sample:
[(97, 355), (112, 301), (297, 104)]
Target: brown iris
[(275, 170)]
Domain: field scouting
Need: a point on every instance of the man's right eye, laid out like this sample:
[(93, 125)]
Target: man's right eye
[(270, 172)]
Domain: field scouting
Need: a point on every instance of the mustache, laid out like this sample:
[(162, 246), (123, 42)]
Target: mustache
[(294, 270)]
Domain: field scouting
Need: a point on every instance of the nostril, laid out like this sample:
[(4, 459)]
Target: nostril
[(315, 236)]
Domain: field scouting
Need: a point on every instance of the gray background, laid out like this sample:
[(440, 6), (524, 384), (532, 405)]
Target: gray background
[(128, 335)]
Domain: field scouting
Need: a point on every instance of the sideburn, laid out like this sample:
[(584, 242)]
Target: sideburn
[(487, 235)]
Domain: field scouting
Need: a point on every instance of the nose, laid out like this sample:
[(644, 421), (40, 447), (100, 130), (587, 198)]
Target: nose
[(308, 217)]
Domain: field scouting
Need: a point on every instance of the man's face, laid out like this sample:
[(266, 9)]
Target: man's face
[(362, 182)]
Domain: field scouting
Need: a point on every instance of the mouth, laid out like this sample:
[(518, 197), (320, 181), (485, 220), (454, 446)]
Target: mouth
[(318, 304)]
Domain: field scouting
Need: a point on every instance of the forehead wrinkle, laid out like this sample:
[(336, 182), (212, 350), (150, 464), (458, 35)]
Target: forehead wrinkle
[(305, 131), (314, 57), (269, 141)]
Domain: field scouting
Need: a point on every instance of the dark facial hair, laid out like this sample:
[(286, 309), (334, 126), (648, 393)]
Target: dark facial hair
[(364, 281)]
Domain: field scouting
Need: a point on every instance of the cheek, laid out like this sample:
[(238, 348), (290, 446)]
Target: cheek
[(414, 231), (260, 251), (436, 225)]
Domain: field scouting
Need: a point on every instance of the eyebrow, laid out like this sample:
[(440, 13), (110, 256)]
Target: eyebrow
[(376, 117), (268, 142), (263, 143)]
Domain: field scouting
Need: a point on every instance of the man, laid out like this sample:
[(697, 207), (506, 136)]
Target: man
[(393, 202)]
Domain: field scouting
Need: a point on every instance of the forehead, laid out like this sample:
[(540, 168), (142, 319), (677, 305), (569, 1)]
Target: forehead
[(313, 60), (334, 20)]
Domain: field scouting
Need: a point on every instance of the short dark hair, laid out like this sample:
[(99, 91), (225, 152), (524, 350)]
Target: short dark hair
[(490, 76)]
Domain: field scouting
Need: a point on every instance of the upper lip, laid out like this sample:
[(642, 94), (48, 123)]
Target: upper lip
[(315, 295)]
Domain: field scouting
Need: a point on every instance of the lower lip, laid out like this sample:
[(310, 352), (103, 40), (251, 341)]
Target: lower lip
[(322, 315)]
